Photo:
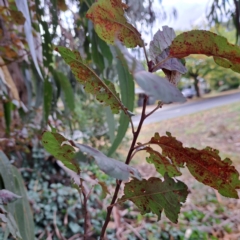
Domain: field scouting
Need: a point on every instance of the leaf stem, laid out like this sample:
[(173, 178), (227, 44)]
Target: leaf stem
[(145, 53), (128, 159), (132, 126), (155, 68), (85, 212), (160, 104)]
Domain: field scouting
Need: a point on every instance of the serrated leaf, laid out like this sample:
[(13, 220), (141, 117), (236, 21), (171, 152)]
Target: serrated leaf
[(110, 23), (161, 41), (204, 42), (110, 166), (127, 95), (57, 145), (161, 163), (154, 195), (7, 196), (205, 165), (92, 83)]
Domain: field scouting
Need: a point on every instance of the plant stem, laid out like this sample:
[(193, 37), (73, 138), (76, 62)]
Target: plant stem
[(128, 159), (145, 53), (155, 68), (85, 213)]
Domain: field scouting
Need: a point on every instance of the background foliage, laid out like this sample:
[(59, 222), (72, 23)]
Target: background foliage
[(36, 88)]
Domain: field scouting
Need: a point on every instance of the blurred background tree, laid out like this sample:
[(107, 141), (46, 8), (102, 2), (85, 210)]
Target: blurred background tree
[(225, 11), (203, 69)]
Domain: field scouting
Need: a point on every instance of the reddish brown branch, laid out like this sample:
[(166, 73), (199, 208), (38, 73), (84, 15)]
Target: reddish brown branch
[(128, 159)]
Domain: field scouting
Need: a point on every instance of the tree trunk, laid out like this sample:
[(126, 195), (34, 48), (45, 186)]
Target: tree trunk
[(196, 87)]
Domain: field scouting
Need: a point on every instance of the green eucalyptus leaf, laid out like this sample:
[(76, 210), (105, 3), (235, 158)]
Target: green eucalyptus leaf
[(19, 212), (60, 148), (110, 166), (96, 55), (7, 107), (47, 100), (103, 90), (67, 90), (127, 91)]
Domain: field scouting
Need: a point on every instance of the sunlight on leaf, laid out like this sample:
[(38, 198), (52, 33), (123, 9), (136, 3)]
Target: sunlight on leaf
[(154, 195), (57, 145), (204, 42), (205, 165), (110, 23), (104, 91)]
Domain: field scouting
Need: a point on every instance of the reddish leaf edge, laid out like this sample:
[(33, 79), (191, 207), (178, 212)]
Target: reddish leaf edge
[(125, 110), (227, 161)]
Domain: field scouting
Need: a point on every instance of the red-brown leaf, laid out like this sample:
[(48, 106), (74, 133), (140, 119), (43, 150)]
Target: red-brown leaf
[(205, 165)]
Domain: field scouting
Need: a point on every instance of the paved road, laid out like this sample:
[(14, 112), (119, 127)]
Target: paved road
[(177, 110)]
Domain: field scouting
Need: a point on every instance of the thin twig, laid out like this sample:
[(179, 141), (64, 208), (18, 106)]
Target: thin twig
[(156, 108), (59, 235), (132, 126), (145, 53), (142, 145), (128, 159), (85, 213), (134, 231), (75, 236), (155, 68), (137, 150)]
